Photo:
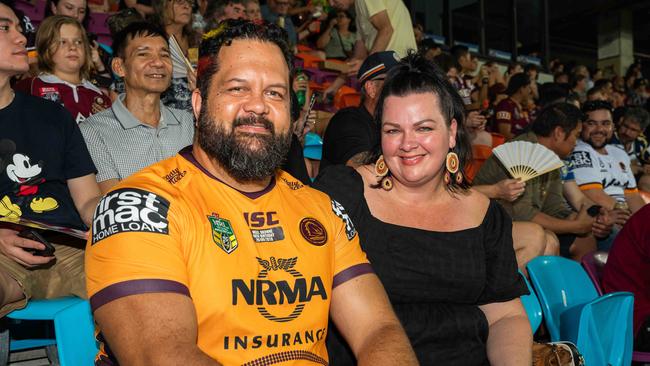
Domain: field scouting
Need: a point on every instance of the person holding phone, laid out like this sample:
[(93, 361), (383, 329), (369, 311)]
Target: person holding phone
[(46, 175)]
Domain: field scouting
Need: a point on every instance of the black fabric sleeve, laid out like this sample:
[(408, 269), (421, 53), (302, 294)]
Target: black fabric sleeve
[(344, 185), (345, 137), (503, 281), (294, 164), (77, 160)]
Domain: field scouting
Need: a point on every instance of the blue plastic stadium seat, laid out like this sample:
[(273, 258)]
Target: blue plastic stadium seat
[(601, 327), (73, 328), (532, 307)]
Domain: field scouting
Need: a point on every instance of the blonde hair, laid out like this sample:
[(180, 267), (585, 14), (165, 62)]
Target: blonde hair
[(47, 43)]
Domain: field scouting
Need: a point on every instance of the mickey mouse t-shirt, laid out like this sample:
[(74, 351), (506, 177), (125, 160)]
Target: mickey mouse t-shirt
[(41, 148)]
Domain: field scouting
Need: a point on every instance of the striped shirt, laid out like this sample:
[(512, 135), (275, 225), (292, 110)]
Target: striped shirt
[(121, 145)]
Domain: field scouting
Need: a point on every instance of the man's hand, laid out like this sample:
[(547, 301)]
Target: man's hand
[(13, 246), (583, 221), (475, 120), (509, 189), (602, 226), (619, 216)]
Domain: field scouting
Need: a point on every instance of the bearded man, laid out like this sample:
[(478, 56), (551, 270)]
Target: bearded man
[(602, 170), (217, 257)]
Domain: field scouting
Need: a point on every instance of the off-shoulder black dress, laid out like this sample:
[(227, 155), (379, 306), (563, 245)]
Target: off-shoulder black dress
[(435, 280)]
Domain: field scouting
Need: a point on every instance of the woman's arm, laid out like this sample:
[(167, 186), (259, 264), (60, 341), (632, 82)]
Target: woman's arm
[(510, 340)]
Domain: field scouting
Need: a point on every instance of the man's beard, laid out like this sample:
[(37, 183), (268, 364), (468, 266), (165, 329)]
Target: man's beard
[(598, 145), (233, 149)]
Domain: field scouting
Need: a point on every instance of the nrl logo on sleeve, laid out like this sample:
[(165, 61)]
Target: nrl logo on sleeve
[(130, 210), (223, 234)]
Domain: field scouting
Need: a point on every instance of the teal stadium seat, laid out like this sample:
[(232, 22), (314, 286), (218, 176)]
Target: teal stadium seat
[(73, 328), (601, 327)]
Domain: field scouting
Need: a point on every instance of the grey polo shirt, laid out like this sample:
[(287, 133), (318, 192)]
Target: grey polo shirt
[(121, 145)]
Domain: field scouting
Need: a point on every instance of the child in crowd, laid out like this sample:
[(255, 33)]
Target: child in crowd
[(64, 61)]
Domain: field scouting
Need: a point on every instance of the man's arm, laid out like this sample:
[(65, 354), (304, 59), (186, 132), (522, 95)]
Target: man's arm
[(106, 185), (581, 224), (85, 195), (599, 196), (634, 201), (152, 329), (362, 313), (358, 159), (510, 340), (381, 22)]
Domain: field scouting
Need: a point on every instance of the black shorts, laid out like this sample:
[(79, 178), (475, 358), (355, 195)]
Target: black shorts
[(565, 244)]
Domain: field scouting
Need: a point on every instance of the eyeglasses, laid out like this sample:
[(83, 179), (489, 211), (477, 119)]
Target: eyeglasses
[(69, 43), (630, 128)]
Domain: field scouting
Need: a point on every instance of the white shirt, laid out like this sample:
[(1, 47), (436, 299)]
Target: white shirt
[(610, 172)]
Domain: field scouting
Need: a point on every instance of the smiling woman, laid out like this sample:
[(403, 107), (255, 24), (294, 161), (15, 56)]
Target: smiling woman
[(64, 59), (443, 251)]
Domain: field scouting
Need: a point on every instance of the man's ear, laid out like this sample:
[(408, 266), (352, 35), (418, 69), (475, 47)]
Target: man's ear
[(117, 65), (559, 134), (197, 100), (371, 89)]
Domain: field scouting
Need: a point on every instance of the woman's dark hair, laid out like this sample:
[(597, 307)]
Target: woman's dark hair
[(415, 74)]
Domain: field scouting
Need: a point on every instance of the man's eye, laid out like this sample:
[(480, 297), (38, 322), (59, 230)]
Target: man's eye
[(4, 28)]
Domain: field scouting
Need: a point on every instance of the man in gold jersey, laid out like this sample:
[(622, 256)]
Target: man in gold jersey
[(217, 257)]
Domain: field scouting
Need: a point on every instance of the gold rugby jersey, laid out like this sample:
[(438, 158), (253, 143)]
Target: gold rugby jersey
[(259, 268)]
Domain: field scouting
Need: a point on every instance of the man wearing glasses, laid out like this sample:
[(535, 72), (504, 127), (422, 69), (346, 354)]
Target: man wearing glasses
[(630, 137)]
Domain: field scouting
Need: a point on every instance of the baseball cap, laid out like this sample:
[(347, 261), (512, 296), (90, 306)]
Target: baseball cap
[(377, 64), (516, 82)]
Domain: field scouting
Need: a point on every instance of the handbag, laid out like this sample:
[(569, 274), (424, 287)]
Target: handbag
[(557, 354)]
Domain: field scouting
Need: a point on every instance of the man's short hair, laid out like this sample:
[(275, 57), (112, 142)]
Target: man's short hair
[(638, 115), (602, 83), (563, 115), (516, 82), (228, 31), (133, 30), (593, 91), (594, 105)]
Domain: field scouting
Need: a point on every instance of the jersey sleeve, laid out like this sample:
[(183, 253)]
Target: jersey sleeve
[(134, 247), (349, 260), (504, 112), (586, 170)]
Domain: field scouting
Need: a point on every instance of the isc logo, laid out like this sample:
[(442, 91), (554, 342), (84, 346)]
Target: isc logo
[(261, 219), (130, 209)]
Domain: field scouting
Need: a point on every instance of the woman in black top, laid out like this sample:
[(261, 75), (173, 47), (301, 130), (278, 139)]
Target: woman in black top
[(443, 251)]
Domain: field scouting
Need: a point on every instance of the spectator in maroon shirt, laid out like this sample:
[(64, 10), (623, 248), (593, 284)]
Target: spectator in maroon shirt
[(628, 269)]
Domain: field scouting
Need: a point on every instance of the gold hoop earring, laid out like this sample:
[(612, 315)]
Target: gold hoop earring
[(387, 183), (452, 162), (381, 169)]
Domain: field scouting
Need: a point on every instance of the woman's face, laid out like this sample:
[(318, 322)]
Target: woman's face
[(72, 8), (415, 138), (180, 11), (69, 57)]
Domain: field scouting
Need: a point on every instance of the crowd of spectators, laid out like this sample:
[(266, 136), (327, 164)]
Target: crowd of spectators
[(444, 225)]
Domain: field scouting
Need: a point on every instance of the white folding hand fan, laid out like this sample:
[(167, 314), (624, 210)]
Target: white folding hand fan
[(527, 160)]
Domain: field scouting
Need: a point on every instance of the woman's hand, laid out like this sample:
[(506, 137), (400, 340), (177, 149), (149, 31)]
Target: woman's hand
[(509, 189)]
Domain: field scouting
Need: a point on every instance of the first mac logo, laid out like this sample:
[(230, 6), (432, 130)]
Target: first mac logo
[(130, 210)]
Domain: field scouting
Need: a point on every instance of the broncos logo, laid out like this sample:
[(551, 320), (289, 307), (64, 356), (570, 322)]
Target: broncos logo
[(279, 264)]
